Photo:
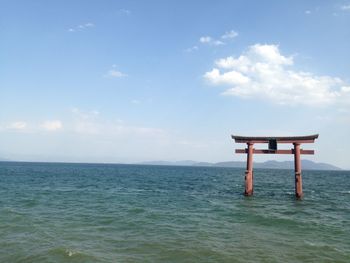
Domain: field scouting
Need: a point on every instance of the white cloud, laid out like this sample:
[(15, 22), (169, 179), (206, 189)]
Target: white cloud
[(89, 25), (345, 7), (90, 123), (216, 42), (115, 74), (17, 125), (345, 89), (85, 114), (307, 12), (81, 27), (124, 11), (262, 72), (135, 102), (227, 78), (52, 125), (210, 41), (191, 49), (205, 39), (229, 35)]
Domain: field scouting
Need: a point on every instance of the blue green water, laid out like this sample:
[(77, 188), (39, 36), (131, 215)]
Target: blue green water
[(128, 213)]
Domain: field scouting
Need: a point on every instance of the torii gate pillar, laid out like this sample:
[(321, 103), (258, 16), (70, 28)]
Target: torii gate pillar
[(249, 172), (272, 142), (297, 168)]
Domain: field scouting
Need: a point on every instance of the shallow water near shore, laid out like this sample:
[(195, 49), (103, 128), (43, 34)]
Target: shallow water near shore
[(56, 212)]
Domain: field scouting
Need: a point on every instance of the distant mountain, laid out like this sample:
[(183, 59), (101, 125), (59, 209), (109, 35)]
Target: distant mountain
[(305, 164), (177, 163)]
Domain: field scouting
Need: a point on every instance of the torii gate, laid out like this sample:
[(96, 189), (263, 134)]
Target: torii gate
[(272, 141)]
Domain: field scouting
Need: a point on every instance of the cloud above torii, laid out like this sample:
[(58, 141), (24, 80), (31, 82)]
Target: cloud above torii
[(263, 72)]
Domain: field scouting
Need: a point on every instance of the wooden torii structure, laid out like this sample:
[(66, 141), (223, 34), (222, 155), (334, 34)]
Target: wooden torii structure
[(272, 142)]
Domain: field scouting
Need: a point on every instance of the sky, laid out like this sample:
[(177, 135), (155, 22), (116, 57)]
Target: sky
[(134, 81)]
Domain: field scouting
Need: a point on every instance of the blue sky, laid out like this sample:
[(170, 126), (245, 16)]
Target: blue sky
[(130, 81)]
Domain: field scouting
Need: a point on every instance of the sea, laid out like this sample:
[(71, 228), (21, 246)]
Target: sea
[(61, 212)]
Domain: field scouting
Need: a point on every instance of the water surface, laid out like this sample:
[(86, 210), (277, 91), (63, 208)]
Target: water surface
[(53, 212)]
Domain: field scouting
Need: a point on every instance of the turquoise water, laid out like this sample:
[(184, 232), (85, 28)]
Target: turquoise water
[(128, 213)]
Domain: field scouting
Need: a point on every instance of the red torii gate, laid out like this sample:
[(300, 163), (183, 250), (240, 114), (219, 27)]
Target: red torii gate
[(272, 141)]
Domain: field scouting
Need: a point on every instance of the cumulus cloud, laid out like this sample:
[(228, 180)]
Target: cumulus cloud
[(218, 43), (191, 49), (205, 39), (263, 72), (91, 123), (229, 35), (230, 77), (85, 114), (124, 11), (52, 125), (17, 125), (81, 27), (345, 7), (210, 41), (135, 101), (114, 73)]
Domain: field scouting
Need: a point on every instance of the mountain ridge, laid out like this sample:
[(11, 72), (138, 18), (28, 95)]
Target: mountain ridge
[(271, 164)]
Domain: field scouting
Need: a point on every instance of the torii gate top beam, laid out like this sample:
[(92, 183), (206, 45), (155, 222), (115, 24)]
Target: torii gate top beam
[(266, 139)]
